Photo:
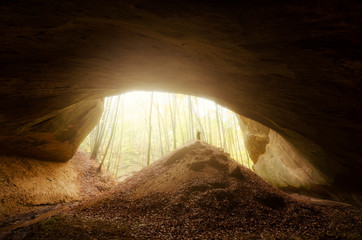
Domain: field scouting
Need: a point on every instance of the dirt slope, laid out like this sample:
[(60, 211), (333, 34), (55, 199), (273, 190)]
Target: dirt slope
[(28, 184), (198, 192)]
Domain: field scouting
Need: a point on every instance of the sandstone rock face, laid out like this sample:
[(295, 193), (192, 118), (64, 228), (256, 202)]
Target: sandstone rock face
[(277, 161), (54, 136), (256, 137), (29, 184), (294, 67)]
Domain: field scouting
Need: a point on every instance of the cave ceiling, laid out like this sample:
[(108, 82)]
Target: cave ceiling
[(293, 66)]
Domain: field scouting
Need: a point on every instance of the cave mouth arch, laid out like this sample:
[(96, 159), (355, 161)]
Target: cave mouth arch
[(297, 75), (138, 127), (268, 153)]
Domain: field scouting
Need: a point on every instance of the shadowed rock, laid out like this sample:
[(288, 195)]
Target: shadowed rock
[(293, 66)]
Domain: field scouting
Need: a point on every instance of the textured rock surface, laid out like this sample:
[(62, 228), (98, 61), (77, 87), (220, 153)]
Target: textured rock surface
[(55, 136), (279, 162), (294, 67), (28, 184), (256, 137), (276, 160), (221, 199)]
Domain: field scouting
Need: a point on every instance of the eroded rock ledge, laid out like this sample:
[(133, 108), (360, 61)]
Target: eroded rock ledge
[(29, 184)]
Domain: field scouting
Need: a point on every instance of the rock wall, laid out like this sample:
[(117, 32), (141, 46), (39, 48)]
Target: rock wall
[(26, 184), (54, 136), (276, 160), (279, 163), (256, 137), (293, 66), (283, 165)]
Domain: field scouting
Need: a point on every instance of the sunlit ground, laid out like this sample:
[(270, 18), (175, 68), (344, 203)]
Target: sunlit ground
[(125, 141)]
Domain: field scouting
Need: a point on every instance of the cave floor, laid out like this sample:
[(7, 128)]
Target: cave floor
[(215, 214), (316, 219), (197, 192)]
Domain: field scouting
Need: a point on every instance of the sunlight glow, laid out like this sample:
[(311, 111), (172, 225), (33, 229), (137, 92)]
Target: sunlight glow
[(121, 140)]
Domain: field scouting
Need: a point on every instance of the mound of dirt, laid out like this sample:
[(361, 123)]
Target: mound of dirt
[(200, 168), (30, 185), (198, 192)]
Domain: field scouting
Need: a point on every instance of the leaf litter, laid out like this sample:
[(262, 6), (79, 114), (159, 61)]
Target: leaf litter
[(198, 192)]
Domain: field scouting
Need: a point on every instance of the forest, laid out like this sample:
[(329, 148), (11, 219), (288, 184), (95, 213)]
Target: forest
[(138, 128)]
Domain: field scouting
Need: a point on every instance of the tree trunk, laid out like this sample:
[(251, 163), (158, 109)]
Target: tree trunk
[(173, 122), (159, 129), (197, 116), (100, 131), (121, 138), (218, 124), (191, 119), (149, 130), (110, 137), (237, 139)]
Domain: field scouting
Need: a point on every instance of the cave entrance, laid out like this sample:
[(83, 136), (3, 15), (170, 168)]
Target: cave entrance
[(139, 127)]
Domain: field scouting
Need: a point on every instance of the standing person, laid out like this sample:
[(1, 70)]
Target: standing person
[(198, 135)]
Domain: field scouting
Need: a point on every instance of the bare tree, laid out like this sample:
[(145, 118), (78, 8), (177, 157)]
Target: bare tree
[(173, 118), (110, 137), (149, 130), (100, 130), (191, 118), (159, 129)]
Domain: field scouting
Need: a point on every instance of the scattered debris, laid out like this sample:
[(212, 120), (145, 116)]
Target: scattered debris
[(200, 194), (33, 187)]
